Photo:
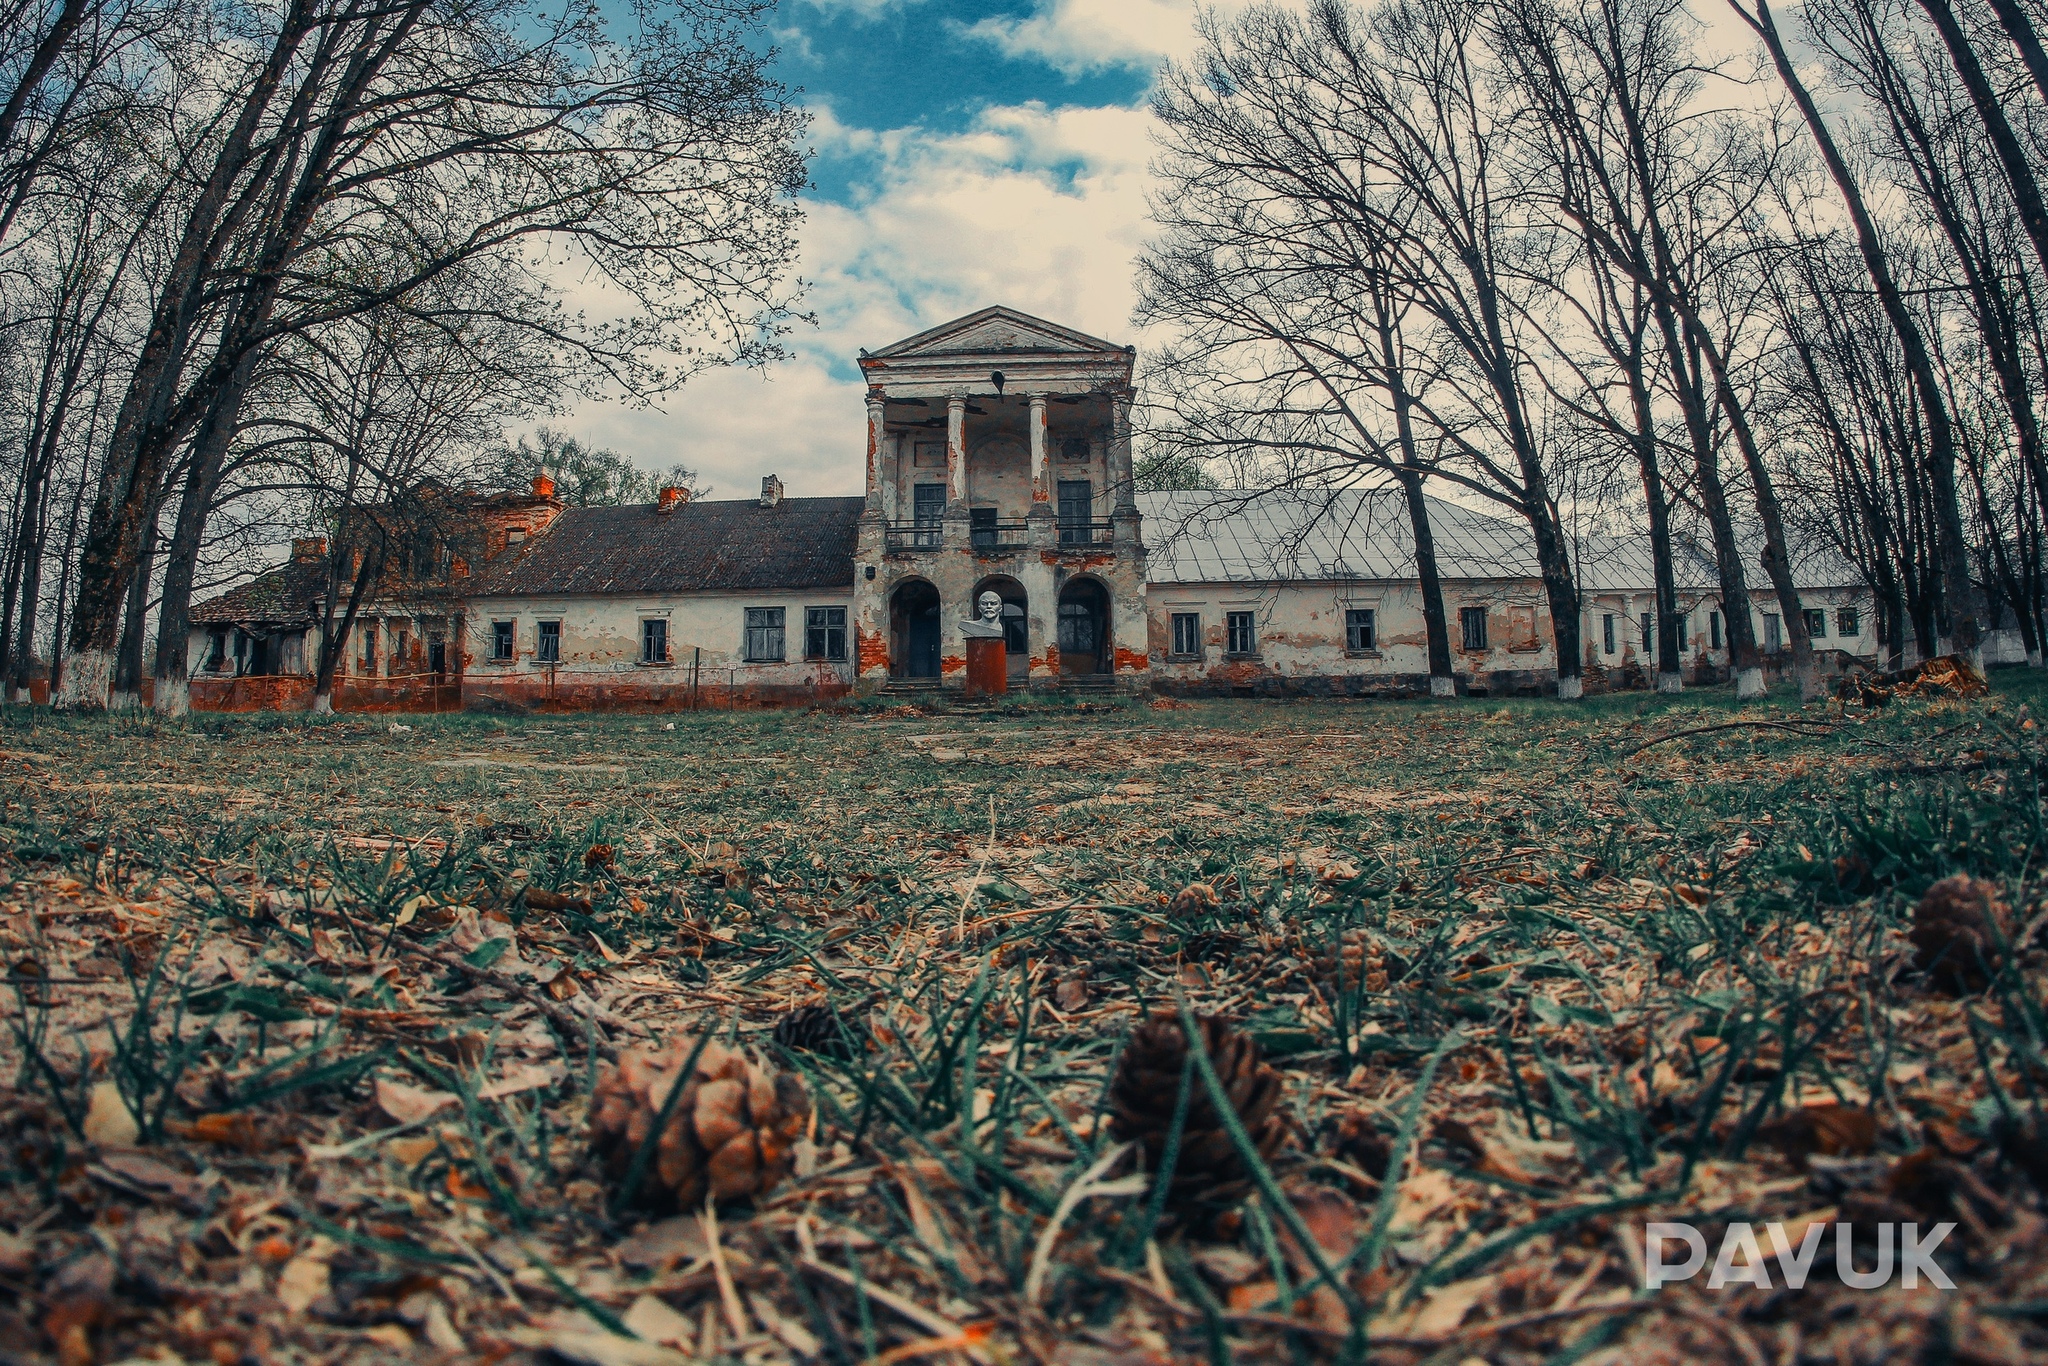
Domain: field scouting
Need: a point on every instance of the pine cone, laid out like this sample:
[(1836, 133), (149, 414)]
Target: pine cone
[(814, 1029), (1956, 934), (731, 1135), (1210, 1170)]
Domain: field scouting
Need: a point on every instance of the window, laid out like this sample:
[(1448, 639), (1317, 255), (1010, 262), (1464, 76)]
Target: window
[(1187, 634), (928, 510), (1360, 631), (550, 646), (401, 647), (1649, 625), (501, 641), (1774, 634), (1607, 632), (1077, 507), (764, 635), (824, 632), (1713, 630), (1243, 633), (1684, 631), (369, 630), (1847, 623), (1816, 623), (654, 640), (981, 527), (216, 652), (1472, 621)]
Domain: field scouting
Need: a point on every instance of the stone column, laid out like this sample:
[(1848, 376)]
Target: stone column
[(1120, 473), (956, 451), (1041, 469), (877, 436), (892, 461)]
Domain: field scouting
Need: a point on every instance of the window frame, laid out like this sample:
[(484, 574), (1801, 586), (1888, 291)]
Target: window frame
[(815, 629), (1714, 641), (1848, 622), (1816, 622), (1648, 624), (547, 645), (1192, 623), (652, 628), (1607, 641), (1773, 633), (504, 641), (1361, 631), (1472, 631), (752, 653), (1241, 635)]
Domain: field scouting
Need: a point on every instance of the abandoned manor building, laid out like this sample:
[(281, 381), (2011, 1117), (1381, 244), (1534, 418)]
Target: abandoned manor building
[(998, 459)]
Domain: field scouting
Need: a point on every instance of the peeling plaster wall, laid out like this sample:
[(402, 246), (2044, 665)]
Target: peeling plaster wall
[(1628, 665), (600, 652)]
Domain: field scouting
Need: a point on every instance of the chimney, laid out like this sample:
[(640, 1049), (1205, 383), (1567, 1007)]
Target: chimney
[(669, 499), (543, 486), (309, 549), (771, 490)]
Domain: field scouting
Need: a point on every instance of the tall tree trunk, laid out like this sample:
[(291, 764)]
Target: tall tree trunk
[(181, 567), (333, 639), (129, 661), (2012, 16), (1443, 680), (1952, 551), (2026, 190)]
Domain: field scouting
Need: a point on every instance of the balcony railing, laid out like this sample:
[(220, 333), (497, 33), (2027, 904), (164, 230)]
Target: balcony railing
[(1087, 533), (921, 535), (1000, 535)]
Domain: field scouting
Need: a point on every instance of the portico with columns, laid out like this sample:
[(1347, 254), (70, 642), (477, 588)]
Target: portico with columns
[(999, 457)]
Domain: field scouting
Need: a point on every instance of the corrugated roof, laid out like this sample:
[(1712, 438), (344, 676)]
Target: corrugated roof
[(1239, 536), (732, 544)]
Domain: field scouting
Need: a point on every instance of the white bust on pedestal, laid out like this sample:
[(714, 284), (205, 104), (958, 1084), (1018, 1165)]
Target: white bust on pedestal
[(987, 623)]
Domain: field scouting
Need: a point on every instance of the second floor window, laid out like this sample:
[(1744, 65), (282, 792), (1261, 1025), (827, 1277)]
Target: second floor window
[(824, 633), (764, 635), (550, 645), (1472, 624), (1187, 634), (1847, 623), (1360, 630), (654, 640), (1816, 623), (1077, 508), (501, 640), (1242, 628)]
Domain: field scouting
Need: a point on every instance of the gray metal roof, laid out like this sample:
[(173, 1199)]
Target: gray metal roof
[(1243, 536)]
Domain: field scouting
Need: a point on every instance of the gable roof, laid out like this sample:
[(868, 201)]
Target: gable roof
[(1243, 535), (288, 595), (996, 330), (730, 544)]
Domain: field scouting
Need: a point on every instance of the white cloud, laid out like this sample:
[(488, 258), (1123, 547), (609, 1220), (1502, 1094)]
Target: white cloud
[(1042, 209), (1079, 36)]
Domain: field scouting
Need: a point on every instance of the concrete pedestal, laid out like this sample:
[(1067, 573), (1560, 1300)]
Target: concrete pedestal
[(988, 668)]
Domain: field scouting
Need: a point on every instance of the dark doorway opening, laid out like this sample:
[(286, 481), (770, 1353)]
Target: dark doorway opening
[(914, 626), (1084, 628)]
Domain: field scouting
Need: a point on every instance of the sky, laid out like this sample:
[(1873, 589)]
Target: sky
[(967, 153)]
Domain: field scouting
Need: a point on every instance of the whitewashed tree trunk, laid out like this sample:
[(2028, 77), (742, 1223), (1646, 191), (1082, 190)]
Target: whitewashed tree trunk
[(323, 703), (1671, 684), (173, 696), (88, 680), (1570, 688), (1441, 686), (1749, 683)]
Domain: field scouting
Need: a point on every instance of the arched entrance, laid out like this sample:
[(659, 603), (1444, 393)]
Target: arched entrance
[(1084, 628), (914, 630), (1016, 621)]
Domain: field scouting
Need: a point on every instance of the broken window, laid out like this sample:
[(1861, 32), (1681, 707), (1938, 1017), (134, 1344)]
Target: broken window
[(501, 641), (824, 632), (764, 635), (1816, 623), (1847, 623), (1361, 631), (1187, 634), (1713, 630), (1243, 633), (400, 644), (654, 640), (1472, 623), (928, 510), (549, 649), (1607, 632), (216, 651), (981, 527), (1077, 507), (1774, 633)]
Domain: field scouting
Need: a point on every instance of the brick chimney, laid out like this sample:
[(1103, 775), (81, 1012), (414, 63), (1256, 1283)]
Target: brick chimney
[(309, 549), (543, 486), (669, 499), (771, 491)]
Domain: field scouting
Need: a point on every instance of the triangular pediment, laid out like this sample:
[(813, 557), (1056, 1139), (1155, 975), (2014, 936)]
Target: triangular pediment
[(997, 331)]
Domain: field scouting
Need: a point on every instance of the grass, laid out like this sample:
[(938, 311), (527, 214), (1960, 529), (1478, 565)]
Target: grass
[(1532, 972)]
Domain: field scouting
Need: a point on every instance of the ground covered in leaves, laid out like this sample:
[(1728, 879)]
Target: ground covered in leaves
[(306, 1016)]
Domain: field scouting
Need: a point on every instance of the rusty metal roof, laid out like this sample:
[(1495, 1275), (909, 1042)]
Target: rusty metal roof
[(1244, 536), (732, 544)]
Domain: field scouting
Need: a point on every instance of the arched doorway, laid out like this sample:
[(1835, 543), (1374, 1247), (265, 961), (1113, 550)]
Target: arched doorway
[(1016, 621), (1084, 628), (914, 630)]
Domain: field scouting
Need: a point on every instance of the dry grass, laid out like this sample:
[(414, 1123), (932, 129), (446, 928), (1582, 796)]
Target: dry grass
[(306, 1015)]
